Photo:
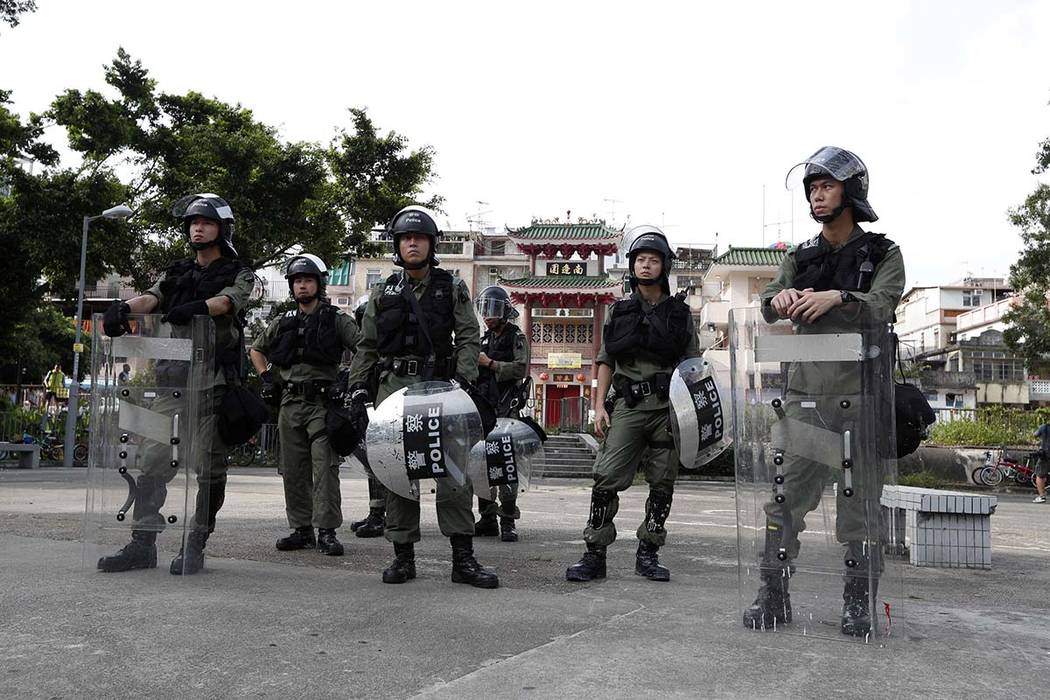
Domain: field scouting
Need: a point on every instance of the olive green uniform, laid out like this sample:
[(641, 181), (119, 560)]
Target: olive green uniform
[(309, 466), (455, 514), (632, 430), (505, 371), (828, 396), (211, 472)]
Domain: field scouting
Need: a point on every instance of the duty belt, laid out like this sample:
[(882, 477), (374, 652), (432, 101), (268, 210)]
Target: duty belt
[(310, 390), (635, 392), (414, 367)]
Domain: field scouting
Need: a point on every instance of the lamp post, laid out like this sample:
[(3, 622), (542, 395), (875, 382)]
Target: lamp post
[(118, 212)]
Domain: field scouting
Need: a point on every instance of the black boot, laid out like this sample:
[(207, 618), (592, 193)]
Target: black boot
[(371, 526), (301, 538), (772, 605), (590, 566), (190, 559), (327, 543), (486, 526), (465, 568), (647, 562), (403, 568), (139, 553), (507, 531), (856, 607)]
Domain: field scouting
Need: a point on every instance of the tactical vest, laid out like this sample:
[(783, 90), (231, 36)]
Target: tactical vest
[(185, 282), (501, 349), (850, 268), (662, 334), (310, 338), (398, 331)]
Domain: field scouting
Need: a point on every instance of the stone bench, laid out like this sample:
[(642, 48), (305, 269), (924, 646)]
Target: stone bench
[(28, 455), (946, 529)]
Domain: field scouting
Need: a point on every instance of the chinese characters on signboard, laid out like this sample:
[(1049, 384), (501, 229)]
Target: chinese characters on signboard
[(566, 268)]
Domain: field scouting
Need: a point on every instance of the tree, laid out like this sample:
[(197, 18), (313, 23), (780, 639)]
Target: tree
[(284, 195), (1029, 322), (11, 9)]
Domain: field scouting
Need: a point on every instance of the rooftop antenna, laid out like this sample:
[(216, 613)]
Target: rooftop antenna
[(612, 202), (478, 217)]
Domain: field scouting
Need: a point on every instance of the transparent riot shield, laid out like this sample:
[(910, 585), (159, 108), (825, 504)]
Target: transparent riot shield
[(151, 421), (502, 462), (814, 446), (701, 419), (419, 439)]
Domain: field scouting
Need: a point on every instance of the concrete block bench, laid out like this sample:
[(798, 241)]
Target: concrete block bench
[(948, 529), (28, 455)]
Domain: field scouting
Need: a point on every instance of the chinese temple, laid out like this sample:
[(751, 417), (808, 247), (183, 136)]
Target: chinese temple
[(564, 296)]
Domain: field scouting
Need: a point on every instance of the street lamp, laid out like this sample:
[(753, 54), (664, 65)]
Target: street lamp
[(120, 211)]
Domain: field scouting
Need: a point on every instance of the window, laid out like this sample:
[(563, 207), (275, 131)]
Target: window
[(495, 248), (450, 248), (374, 277), (972, 297), (953, 400)]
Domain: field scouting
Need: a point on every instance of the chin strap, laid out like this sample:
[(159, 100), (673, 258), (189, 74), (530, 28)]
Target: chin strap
[(204, 246)]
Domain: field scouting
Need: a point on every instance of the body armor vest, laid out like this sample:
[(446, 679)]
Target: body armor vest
[(399, 331), (661, 334), (185, 282), (501, 349), (310, 338), (850, 268)]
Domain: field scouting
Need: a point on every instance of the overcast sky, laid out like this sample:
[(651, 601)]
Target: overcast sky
[(681, 114)]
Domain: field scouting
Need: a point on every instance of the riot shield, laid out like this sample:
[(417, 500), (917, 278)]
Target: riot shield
[(814, 446), (502, 462), (151, 425), (419, 439), (701, 420)]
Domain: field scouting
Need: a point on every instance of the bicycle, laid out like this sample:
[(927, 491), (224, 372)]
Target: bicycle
[(992, 473), (244, 455)]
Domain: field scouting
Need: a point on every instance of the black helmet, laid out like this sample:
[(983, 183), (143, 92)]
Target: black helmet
[(307, 264), (847, 168), (494, 302), (414, 219), (651, 238), (210, 206)]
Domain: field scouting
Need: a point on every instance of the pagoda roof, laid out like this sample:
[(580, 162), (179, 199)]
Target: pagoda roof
[(751, 257), (561, 282), (539, 232)]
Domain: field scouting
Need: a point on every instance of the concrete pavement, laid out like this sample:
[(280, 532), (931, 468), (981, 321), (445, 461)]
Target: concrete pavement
[(260, 623)]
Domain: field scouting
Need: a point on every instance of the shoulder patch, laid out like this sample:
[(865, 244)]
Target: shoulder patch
[(519, 341)]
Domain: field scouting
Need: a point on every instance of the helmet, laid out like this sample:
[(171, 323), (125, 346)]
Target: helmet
[(847, 168), (414, 219), (494, 302), (210, 206), (649, 238), (307, 264), (359, 309)]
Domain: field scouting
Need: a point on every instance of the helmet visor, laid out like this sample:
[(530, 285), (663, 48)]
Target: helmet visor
[(488, 307), (831, 160)]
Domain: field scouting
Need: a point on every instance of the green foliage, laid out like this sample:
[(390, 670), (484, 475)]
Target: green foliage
[(923, 480), (41, 338), (990, 427), (11, 9), (1029, 331)]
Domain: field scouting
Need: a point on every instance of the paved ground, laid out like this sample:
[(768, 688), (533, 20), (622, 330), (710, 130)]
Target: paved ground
[(259, 623)]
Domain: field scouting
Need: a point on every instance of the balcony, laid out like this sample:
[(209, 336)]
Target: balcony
[(714, 311)]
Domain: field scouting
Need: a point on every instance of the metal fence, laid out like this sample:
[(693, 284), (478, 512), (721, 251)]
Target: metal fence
[(574, 414)]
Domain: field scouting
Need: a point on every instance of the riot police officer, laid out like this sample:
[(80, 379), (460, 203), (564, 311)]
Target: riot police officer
[(502, 365), (305, 345), (372, 524), (647, 335), (214, 282), (419, 326), (842, 265)]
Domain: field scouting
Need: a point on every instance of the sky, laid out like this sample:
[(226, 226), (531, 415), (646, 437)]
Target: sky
[(683, 115)]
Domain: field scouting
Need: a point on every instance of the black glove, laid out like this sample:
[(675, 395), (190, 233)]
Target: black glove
[(269, 389), (115, 320), (358, 406), (181, 315)]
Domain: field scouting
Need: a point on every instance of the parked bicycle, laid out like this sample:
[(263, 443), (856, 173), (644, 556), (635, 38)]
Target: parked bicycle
[(1003, 466), (245, 454)]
